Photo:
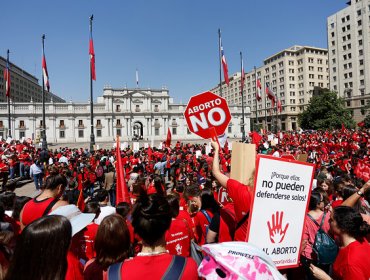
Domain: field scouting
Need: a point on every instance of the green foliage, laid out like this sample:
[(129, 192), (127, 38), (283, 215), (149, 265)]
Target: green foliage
[(367, 121), (326, 111)]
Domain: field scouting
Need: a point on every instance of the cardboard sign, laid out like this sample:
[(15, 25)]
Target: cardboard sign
[(282, 191), (243, 161), (302, 157)]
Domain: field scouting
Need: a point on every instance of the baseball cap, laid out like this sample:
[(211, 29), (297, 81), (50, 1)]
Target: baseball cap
[(78, 219)]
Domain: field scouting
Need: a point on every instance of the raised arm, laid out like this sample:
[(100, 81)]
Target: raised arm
[(352, 200), (220, 177)]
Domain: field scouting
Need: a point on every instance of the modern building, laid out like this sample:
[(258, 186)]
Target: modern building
[(24, 87), (292, 74), (349, 55), (131, 113)]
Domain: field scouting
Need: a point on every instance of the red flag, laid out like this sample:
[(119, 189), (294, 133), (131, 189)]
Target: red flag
[(361, 124), (256, 138), (270, 95), (81, 201), (150, 153), (343, 128), (279, 107), (7, 77), (92, 57), (45, 72), (121, 188), (223, 60), (169, 136), (259, 90)]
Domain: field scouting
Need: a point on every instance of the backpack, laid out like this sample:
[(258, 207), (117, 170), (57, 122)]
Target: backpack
[(324, 246)]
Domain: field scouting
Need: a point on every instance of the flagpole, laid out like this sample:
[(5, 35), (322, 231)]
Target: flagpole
[(256, 82), (219, 57), (92, 137), (137, 78), (44, 143), (8, 95), (276, 115), (241, 92), (264, 89)]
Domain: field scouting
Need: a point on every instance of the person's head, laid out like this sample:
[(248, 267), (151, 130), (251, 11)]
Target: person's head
[(326, 185), (8, 198), (192, 196), (123, 209), (316, 201), (56, 183), (151, 218), (174, 202), (20, 201), (208, 201), (44, 241), (102, 196), (346, 220), (92, 207), (112, 241)]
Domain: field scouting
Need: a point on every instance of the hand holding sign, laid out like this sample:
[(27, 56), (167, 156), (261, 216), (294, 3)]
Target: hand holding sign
[(276, 231)]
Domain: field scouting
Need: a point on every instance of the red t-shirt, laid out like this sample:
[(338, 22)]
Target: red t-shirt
[(154, 267), (241, 196), (34, 209), (178, 238), (74, 268), (83, 242), (353, 262), (201, 224)]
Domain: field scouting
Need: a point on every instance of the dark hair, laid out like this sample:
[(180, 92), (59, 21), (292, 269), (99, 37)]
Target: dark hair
[(191, 191), (122, 209), (54, 180), (350, 221), (92, 207), (315, 199), (44, 241), (208, 201), (174, 202), (20, 201), (158, 185), (151, 217), (8, 198), (112, 241), (102, 195)]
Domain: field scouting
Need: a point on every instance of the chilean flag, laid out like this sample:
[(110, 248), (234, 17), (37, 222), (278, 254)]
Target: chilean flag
[(279, 107), (169, 136), (45, 73), (224, 63), (259, 90), (7, 79), (242, 78), (270, 95), (92, 57)]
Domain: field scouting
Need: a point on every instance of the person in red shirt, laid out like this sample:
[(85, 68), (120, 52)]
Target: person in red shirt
[(41, 251), (353, 260), (4, 171), (239, 193), (151, 219), (179, 234)]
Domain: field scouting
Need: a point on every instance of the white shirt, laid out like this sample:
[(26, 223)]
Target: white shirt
[(104, 212)]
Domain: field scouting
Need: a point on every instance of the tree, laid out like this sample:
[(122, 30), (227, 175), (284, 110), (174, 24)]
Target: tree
[(367, 121), (326, 111)]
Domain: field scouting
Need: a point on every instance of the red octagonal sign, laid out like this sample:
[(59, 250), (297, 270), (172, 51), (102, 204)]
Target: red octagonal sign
[(207, 110)]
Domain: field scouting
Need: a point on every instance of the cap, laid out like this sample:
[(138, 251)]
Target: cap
[(78, 219)]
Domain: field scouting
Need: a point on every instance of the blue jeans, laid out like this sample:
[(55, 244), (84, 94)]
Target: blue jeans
[(21, 169), (37, 179), (12, 171), (112, 197)]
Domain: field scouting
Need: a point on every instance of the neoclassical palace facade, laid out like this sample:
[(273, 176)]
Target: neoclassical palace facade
[(131, 113)]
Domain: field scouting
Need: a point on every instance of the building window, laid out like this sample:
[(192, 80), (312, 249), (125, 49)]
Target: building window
[(61, 123), (98, 133), (118, 108), (156, 109), (118, 122), (22, 134), (118, 132), (137, 108), (80, 133), (98, 122), (229, 129), (156, 131), (21, 124), (80, 123), (62, 134), (1, 124), (174, 130)]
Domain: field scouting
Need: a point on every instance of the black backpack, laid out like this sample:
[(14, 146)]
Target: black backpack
[(324, 246)]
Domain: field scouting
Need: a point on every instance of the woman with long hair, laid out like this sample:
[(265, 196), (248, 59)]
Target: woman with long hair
[(353, 260), (151, 218), (41, 251), (112, 245)]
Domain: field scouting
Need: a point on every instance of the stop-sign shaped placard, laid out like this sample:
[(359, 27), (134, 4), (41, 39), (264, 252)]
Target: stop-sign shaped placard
[(207, 110)]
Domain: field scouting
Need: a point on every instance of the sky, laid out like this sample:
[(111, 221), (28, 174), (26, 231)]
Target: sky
[(172, 43)]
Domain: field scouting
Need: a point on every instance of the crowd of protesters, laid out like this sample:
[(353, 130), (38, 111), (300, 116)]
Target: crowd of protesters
[(173, 203)]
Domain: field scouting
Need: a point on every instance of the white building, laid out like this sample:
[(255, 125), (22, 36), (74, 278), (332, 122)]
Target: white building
[(131, 113), (349, 50), (293, 74)]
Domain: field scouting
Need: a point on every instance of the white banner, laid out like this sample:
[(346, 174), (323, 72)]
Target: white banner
[(282, 190)]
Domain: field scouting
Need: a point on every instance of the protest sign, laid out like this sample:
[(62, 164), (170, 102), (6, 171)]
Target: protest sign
[(282, 191), (135, 146), (243, 161)]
